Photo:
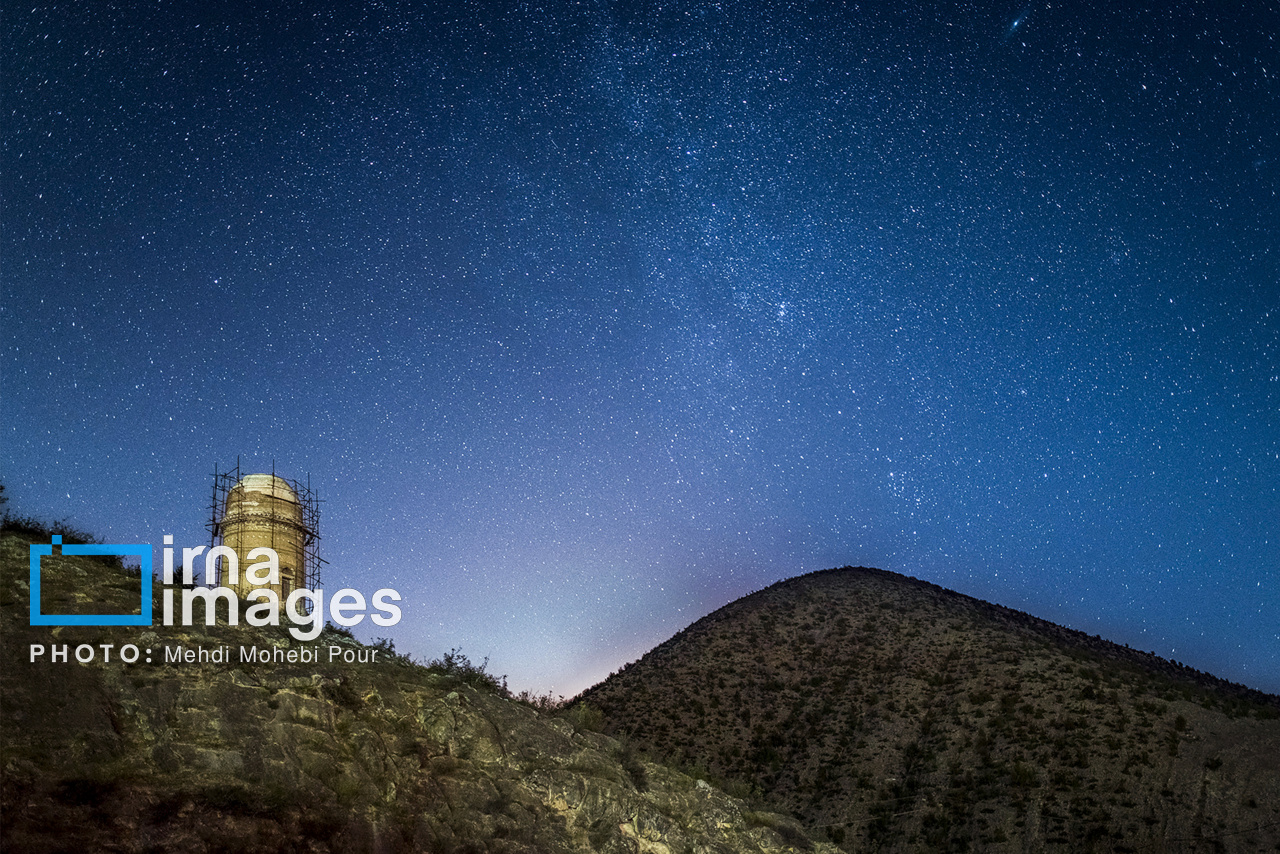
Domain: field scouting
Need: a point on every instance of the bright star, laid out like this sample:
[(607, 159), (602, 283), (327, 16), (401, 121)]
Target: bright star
[(1017, 23)]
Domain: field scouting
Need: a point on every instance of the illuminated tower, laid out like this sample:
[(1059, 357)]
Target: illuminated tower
[(263, 510)]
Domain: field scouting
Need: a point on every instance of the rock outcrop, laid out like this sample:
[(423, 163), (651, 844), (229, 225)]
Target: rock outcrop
[(320, 755)]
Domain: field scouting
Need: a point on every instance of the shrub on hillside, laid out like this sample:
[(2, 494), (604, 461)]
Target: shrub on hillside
[(455, 666)]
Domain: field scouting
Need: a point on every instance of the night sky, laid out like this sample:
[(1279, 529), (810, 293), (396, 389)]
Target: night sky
[(586, 319)]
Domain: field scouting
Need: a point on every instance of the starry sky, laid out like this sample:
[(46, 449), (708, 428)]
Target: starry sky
[(587, 318)]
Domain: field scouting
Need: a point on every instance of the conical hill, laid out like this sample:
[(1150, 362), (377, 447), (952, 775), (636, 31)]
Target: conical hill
[(887, 712)]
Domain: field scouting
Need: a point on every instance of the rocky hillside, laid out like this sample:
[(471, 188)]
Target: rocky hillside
[(381, 756), (890, 714)]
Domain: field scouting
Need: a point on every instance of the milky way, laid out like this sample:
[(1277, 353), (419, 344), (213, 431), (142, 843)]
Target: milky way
[(586, 319)]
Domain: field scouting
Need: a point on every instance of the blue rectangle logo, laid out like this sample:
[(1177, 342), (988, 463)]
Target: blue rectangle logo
[(142, 552)]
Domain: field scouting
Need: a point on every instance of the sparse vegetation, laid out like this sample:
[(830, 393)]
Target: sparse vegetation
[(38, 530), (586, 717), (930, 721), (457, 668)]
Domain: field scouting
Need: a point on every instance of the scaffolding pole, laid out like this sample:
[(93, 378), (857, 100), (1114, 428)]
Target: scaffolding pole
[(308, 502)]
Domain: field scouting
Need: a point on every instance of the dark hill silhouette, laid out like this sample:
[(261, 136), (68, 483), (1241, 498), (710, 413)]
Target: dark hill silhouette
[(888, 712)]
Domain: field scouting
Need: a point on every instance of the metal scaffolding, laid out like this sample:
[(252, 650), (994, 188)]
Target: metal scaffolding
[(308, 503)]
